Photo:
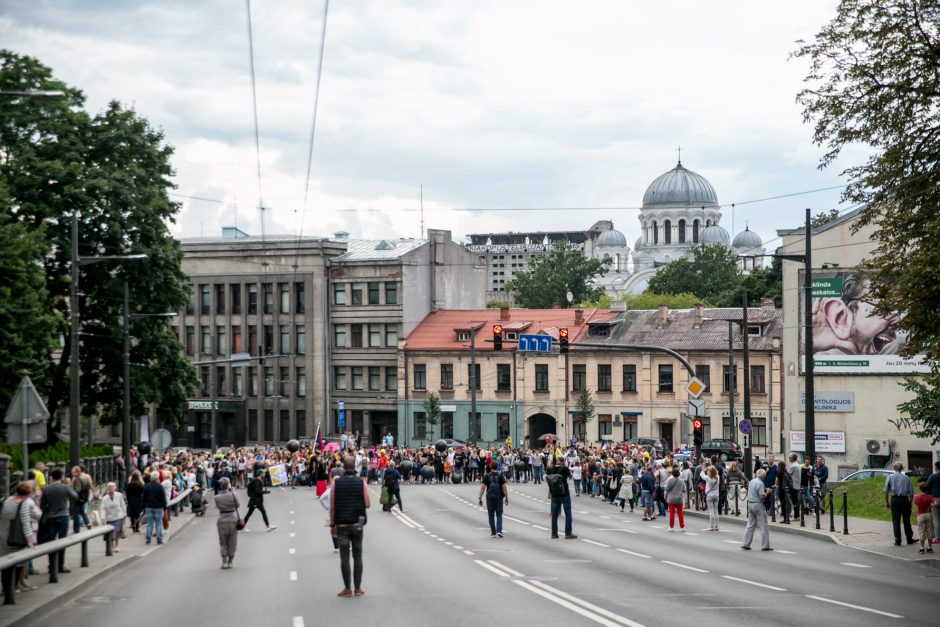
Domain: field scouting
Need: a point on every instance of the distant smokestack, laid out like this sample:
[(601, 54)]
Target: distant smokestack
[(663, 314)]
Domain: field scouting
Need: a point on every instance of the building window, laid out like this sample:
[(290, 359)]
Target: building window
[(463, 336), (604, 426), (373, 293), (375, 378), (252, 299), (204, 299), (285, 339), (420, 425), (695, 231), (300, 422), (476, 427), (667, 232), (704, 374), (252, 339), (598, 330), (629, 430), (375, 336), (220, 341), (283, 291), (655, 233), (206, 345), (269, 381), (604, 382), (220, 380), (190, 307), (420, 379), (220, 298), (356, 293), (339, 293), (339, 336), (268, 433), (391, 293), (285, 425), (204, 380), (447, 376), (267, 290), (541, 377), (236, 290), (726, 381), (253, 425), (502, 426), (473, 376), (757, 380), (283, 381), (300, 332), (759, 431), (578, 377), (447, 424), (665, 378), (503, 378), (629, 378), (727, 428), (391, 379), (269, 339), (391, 335), (252, 382), (355, 335), (300, 297), (190, 340), (301, 381), (682, 231), (236, 338), (339, 378), (358, 378)]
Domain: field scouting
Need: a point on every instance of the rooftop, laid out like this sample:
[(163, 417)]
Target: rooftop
[(378, 249)]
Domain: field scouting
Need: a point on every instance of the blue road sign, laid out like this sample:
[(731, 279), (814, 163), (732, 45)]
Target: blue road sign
[(744, 426), (535, 343), (341, 418)]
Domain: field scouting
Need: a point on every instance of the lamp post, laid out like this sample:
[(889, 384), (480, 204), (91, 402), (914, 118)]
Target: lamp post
[(75, 318)]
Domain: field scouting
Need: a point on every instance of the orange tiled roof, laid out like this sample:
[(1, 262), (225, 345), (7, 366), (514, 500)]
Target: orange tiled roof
[(438, 330)]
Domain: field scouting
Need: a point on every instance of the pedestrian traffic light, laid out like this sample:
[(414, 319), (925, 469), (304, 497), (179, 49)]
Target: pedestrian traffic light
[(563, 340), (497, 337), (698, 433)]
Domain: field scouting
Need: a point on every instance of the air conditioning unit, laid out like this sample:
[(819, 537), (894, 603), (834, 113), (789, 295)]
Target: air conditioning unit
[(877, 447)]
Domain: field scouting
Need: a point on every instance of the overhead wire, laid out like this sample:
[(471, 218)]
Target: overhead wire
[(254, 102)]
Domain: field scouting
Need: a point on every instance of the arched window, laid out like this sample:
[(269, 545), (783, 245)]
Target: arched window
[(667, 232), (708, 223), (655, 233), (617, 262), (682, 231), (695, 231)]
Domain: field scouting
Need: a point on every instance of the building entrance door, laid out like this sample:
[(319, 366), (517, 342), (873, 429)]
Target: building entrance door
[(665, 432), (539, 425)]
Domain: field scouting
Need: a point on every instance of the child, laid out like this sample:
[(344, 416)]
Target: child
[(923, 501)]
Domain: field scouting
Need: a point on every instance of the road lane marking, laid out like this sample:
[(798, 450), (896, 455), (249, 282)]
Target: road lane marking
[(468, 552), (292, 522), (606, 546), (514, 573), (291, 551), (785, 552), (298, 621), (521, 522), (854, 565), (685, 566), (624, 530), (541, 527), (448, 543), (292, 512), (635, 554), (854, 607), (690, 533), (492, 569), (730, 541), (754, 583), (406, 523), (410, 519), (292, 534), (293, 575), (594, 612)]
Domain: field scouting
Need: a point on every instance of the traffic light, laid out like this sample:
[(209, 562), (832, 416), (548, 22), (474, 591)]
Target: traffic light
[(563, 340), (497, 337), (698, 433)]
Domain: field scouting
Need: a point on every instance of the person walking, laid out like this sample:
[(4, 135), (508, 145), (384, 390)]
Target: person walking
[(647, 487), (392, 481), (757, 492), (256, 492), (710, 477), (349, 500), (56, 504), (113, 512), (925, 530), (497, 492), (134, 495), (557, 480), (16, 522), (227, 523), (154, 501), (675, 490), (901, 493), (626, 491), (933, 489)]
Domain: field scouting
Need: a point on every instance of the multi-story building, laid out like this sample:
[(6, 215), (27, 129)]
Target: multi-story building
[(636, 392), (857, 362), (380, 290)]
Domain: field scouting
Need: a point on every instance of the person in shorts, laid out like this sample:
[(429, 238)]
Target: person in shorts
[(925, 530)]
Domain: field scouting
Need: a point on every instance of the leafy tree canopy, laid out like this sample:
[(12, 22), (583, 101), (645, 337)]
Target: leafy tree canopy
[(648, 300), (553, 275), (874, 80)]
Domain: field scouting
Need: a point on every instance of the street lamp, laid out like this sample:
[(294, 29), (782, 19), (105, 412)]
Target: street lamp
[(74, 444)]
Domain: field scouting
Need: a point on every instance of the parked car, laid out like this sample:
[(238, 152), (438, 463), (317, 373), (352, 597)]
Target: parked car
[(659, 444), (724, 449), (868, 473)]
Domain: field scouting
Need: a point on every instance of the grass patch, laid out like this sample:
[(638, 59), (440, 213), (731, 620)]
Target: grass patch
[(866, 498)]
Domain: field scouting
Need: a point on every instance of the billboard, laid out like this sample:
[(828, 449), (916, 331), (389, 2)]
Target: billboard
[(848, 337), (826, 441)]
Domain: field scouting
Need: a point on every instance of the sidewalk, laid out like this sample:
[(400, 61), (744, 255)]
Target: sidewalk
[(31, 606), (874, 536)]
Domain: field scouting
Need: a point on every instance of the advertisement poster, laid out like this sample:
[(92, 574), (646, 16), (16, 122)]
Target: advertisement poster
[(278, 474), (848, 337), (826, 441)]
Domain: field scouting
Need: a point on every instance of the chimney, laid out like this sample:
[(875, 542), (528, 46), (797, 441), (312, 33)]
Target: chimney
[(697, 315), (767, 303), (579, 316), (504, 313), (618, 306), (341, 236), (663, 314)]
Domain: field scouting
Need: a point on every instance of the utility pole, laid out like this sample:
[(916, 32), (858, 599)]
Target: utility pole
[(126, 417), (810, 428), (74, 426), (732, 382), (748, 462), (473, 382)]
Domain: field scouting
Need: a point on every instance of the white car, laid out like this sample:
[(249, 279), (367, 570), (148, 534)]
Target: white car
[(868, 473)]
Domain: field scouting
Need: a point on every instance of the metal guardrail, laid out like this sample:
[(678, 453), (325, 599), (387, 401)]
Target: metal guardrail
[(25, 555), (171, 505)]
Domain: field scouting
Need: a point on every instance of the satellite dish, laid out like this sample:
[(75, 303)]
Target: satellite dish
[(569, 296)]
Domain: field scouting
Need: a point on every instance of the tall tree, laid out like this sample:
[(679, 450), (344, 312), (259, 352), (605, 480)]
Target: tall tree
[(584, 408), (113, 170), (553, 275), (874, 80), (432, 410), (711, 271)]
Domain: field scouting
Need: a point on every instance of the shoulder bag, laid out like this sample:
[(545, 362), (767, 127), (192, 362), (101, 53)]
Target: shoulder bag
[(15, 536)]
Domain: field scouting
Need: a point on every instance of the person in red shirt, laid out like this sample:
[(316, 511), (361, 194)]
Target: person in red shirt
[(923, 501)]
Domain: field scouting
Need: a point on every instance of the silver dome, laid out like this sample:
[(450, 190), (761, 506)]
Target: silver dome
[(747, 239), (611, 239), (714, 234), (639, 243), (680, 186)]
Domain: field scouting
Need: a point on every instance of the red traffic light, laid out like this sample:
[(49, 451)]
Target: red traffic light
[(696, 424), (563, 334), (497, 329)]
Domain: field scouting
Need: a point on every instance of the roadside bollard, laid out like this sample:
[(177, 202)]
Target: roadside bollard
[(737, 510), (845, 514), (773, 506), (832, 512), (802, 504), (819, 499)]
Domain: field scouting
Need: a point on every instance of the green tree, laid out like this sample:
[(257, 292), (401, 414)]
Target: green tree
[(432, 411), (823, 217), (711, 271), (874, 80), (584, 408), (553, 275), (647, 300), (114, 170)]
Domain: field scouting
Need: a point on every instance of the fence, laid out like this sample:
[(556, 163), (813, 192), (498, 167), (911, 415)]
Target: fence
[(101, 469)]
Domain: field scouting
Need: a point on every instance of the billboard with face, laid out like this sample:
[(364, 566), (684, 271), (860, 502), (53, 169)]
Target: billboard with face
[(848, 337)]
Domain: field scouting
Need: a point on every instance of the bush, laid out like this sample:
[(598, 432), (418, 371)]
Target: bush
[(59, 452)]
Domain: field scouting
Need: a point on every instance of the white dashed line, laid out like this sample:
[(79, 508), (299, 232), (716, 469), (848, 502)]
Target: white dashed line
[(541, 527), (785, 552), (633, 553), (854, 565), (606, 546), (854, 607), (298, 621), (293, 575), (753, 583), (521, 522), (292, 511), (292, 522), (512, 572), (292, 534), (291, 551), (678, 565), (730, 541), (469, 552), (459, 548)]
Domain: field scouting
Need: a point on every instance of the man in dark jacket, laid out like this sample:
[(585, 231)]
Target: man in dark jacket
[(349, 501), (256, 494), (56, 503), (154, 498)]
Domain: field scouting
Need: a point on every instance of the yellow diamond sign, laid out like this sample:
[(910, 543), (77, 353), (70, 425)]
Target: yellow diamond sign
[(695, 387)]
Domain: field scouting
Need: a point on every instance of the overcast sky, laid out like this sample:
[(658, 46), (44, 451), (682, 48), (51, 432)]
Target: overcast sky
[(489, 104)]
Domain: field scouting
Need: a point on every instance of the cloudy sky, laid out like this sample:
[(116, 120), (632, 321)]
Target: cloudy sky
[(496, 107)]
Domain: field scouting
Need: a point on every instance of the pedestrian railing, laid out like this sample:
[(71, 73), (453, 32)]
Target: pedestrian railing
[(48, 548), (177, 500)]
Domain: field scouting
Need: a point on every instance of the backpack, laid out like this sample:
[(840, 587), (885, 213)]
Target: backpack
[(493, 489), (556, 485)]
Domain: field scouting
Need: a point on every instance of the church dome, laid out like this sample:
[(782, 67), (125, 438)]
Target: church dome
[(639, 243), (747, 239), (714, 234), (611, 239), (680, 186)]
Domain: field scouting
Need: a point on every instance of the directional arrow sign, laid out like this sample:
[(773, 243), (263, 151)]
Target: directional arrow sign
[(533, 342), (697, 407)]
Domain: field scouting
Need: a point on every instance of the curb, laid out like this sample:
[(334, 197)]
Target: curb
[(40, 612), (797, 531)]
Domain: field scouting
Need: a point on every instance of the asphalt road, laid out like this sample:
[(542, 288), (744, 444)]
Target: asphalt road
[(438, 561)]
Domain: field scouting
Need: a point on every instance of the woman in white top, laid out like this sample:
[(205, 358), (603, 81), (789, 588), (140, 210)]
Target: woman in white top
[(576, 477), (626, 491), (711, 496), (114, 511)]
